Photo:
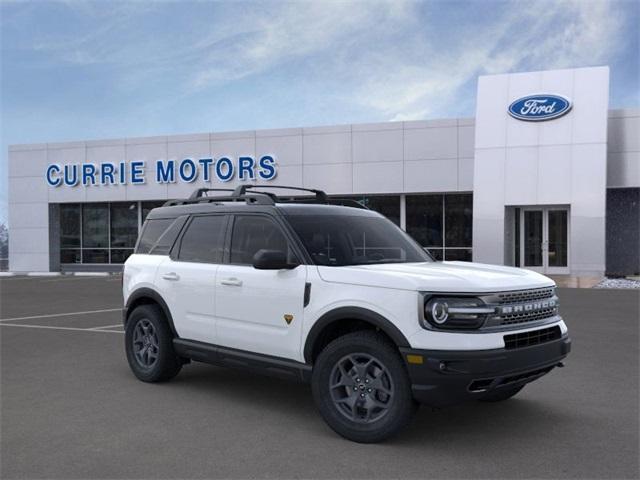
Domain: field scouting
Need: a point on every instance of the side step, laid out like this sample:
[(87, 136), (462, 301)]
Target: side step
[(233, 358)]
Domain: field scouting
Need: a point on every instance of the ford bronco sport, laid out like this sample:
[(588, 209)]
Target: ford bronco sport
[(313, 289)]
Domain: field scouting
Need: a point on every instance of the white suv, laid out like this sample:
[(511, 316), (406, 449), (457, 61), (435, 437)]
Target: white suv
[(337, 296)]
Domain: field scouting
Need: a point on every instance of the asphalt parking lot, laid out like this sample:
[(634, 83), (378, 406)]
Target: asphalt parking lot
[(70, 408)]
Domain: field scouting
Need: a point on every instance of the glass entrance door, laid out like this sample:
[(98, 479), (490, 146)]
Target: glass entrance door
[(544, 239)]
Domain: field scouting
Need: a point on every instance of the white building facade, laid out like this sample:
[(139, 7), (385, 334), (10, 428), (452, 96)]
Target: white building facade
[(545, 177)]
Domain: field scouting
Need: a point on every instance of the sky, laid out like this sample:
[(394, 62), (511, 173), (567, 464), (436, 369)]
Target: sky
[(73, 70)]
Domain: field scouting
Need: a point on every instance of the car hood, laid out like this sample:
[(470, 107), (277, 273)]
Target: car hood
[(460, 277)]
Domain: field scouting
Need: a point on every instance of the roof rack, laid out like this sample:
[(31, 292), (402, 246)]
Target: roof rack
[(200, 196), (321, 197), (240, 194)]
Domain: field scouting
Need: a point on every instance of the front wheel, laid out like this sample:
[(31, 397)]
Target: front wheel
[(361, 387), (149, 345)]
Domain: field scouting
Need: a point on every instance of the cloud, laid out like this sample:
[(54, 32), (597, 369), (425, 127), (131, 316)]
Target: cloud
[(391, 57), (536, 35)]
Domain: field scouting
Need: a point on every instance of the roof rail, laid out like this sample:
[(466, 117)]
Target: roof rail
[(199, 196), (200, 192), (321, 196), (247, 194)]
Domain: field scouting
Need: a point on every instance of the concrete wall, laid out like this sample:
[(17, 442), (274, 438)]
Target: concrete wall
[(623, 148), (556, 162)]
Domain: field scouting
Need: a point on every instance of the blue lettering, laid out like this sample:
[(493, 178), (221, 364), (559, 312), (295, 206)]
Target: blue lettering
[(123, 173), (53, 181), (193, 171), (68, 179), (88, 173), (246, 164), (206, 168), (165, 174), (267, 168), (106, 173), (137, 172), (224, 177)]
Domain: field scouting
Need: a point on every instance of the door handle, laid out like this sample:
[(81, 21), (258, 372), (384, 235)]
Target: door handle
[(231, 282), (173, 276)]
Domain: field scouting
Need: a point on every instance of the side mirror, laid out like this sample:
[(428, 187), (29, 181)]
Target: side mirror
[(272, 260)]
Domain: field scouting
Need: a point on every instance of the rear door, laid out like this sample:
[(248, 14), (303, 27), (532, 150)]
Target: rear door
[(187, 278), (259, 310)]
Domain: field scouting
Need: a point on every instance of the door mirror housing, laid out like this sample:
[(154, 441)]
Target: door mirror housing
[(272, 260)]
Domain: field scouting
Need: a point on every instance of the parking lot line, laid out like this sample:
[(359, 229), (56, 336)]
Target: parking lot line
[(48, 327), (106, 326), (33, 317)]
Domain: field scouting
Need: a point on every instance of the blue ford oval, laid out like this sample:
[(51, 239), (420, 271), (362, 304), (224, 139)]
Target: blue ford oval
[(536, 108)]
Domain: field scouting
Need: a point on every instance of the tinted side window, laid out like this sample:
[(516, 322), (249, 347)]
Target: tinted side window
[(203, 240), (151, 233), (167, 239), (252, 233)]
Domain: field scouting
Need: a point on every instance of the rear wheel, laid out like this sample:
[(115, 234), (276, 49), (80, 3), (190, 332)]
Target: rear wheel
[(501, 394), (149, 345), (361, 387)]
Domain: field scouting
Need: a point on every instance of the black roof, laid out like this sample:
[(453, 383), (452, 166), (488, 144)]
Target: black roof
[(252, 198)]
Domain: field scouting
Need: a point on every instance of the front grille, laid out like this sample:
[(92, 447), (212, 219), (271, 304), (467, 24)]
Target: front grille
[(534, 337), (524, 317), (525, 295)]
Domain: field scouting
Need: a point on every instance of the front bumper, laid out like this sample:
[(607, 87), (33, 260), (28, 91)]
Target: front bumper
[(445, 377)]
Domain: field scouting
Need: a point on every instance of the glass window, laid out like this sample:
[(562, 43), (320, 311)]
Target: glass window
[(558, 240), (151, 233), (120, 255), (164, 244), (124, 225), (338, 240), (252, 233), (95, 225), (458, 215), (459, 254), (203, 241), (68, 255), (424, 219), (69, 225), (387, 205), (95, 255), (436, 253)]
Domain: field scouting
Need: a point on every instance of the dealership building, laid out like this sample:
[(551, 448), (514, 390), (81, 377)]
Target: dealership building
[(545, 177)]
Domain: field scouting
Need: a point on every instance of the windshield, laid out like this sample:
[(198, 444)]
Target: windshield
[(339, 240)]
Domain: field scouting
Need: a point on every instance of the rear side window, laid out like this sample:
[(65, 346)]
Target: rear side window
[(203, 241), (159, 235), (151, 233)]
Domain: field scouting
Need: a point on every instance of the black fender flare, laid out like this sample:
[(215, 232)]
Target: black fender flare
[(148, 293), (352, 313)]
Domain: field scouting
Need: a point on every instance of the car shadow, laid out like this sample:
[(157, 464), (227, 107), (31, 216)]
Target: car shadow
[(466, 423)]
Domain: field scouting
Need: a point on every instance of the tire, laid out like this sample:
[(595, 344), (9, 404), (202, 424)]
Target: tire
[(501, 394), (369, 409), (147, 331)]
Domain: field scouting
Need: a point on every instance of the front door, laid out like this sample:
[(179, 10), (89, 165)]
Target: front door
[(543, 239), (259, 310)]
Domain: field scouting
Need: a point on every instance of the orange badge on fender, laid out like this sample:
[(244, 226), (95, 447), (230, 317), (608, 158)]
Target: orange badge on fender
[(288, 318)]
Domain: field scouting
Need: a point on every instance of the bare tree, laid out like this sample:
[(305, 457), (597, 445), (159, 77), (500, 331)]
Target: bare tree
[(4, 246)]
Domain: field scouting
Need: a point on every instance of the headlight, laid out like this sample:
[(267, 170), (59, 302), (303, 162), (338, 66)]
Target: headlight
[(455, 312)]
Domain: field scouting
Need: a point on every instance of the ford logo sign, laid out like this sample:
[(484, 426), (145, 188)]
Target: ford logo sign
[(536, 108)]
